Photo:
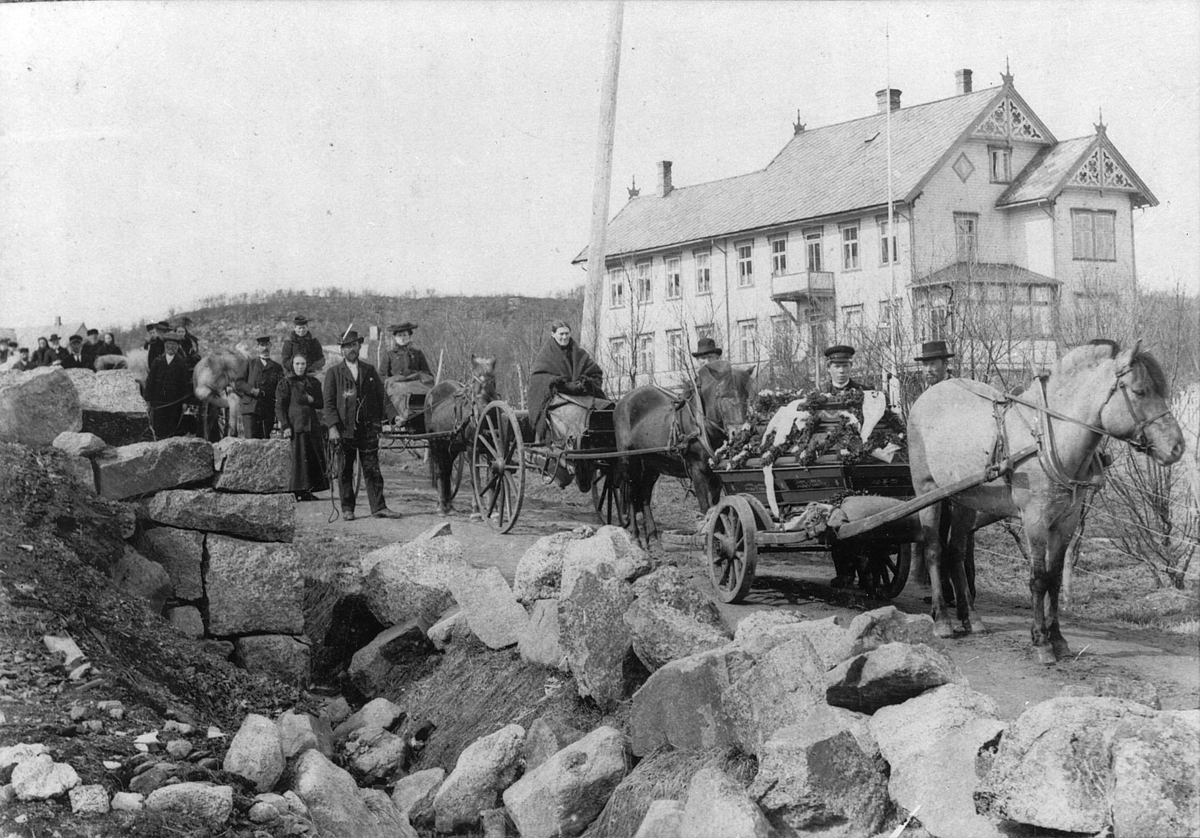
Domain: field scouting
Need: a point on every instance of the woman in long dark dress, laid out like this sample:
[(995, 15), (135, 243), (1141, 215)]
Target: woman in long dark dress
[(297, 402)]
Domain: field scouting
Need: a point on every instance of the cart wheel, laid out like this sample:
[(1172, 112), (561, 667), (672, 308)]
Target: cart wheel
[(456, 473), (610, 498), (887, 569), (732, 549), (498, 466)]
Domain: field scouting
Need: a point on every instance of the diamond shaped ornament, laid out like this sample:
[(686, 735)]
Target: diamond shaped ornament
[(963, 167)]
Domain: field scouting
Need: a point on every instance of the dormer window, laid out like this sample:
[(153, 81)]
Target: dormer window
[(1001, 163)]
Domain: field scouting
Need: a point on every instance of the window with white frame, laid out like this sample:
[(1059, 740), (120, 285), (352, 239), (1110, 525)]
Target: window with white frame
[(812, 246), (852, 317), (616, 287), (1001, 163), (934, 321), (745, 264), (674, 278), (747, 340), (701, 258), (887, 254), (966, 236), (1093, 235), (617, 351), (645, 353), (850, 247), (675, 350), (643, 284), (779, 262), (706, 330)]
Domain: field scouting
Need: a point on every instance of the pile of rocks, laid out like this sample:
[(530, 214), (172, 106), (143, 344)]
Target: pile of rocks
[(38, 405), (210, 544)]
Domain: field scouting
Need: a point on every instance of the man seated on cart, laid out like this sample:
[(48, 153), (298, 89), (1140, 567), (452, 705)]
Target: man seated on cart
[(405, 373), (565, 385), (839, 360)]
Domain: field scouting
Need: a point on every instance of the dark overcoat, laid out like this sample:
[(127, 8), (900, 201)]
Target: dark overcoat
[(263, 378), (168, 382), (355, 408)]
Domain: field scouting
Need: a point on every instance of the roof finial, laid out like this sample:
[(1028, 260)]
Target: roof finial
[(798, 126), (633, 190), (1100, 126), (1006, 76)]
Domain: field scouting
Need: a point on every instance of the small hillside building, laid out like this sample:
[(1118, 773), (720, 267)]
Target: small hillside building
[(997, 229)]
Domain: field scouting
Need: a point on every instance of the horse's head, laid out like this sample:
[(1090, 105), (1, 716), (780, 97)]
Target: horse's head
[(214, 373), (1138, 408), (725, 392), (483, 379)]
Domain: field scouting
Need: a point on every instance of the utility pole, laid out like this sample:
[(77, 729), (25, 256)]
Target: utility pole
[(593, 292)]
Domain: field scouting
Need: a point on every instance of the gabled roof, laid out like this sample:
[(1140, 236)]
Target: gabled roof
[(1084, 162), (998, 273), (820, 172)]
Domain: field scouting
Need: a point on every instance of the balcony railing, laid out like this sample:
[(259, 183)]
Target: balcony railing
[(805, 285)]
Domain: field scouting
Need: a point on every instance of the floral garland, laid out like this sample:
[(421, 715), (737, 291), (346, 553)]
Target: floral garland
[(805, 441)]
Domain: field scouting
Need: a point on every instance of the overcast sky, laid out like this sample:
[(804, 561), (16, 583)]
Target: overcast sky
[(153, 153)]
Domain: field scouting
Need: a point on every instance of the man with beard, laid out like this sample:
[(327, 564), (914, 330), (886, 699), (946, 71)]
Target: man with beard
[(354, 402), (935, 362)]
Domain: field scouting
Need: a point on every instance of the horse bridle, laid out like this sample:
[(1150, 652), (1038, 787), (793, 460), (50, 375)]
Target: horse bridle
[(1139, 440)]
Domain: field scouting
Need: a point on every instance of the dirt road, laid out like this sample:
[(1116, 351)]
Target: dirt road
[(996, 663)]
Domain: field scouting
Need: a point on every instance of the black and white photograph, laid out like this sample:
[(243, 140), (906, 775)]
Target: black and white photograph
[(600, 419)]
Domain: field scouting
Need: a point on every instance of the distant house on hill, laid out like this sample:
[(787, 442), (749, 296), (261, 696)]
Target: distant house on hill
[(996, 222), (28, 337)]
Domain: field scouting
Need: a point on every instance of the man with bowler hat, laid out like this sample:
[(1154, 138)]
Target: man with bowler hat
[(256, 385), (58, 354), (934, 359), (303, 342), (354, 405), (706, 352)]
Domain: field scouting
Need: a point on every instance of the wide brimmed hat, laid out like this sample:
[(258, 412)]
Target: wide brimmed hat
[(707, 346), (349, 338), (300, 320), (841, 352), (932, 350), (402, 327), (53, 338)]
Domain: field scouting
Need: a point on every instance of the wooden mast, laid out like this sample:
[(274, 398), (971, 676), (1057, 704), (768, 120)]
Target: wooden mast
[(593, 292)]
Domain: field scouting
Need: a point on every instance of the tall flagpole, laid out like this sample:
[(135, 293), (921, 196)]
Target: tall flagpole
[(593, 292), (894, 319)]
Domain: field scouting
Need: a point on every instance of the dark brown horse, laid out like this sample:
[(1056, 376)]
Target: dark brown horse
[(686, 429), (452, 409), (1094, 391)]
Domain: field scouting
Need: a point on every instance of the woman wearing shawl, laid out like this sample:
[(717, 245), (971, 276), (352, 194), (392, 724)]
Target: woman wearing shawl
[(297, 400), (564, 367)]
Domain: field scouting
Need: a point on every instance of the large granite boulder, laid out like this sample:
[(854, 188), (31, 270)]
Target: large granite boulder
[(145, 467), (210, 803), (39, 777), (491, 610), (80, 444), (252, 465), (37, 406), (299, 732), (1155, 765), (253, 587), (889, 674), (378, 712), (281, 656), (541, 640), (334, 803), (718, 807), (139, 577), (393, 651), (107, 391), (664, 819), (414, 793), (403, 582), (932, 743), (670, 619), (375, 754), (598, 643), (823, 777), (256, 517), (485, 769), (612, 553), (539, 570), (545, 738), (785, 685), (256, 752), (761, 630), (181, 552), (559, 798)]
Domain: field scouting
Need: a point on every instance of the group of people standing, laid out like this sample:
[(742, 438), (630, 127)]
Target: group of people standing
[(80, 352)]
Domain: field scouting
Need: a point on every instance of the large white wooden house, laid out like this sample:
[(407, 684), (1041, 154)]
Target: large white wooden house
[(998, 228)]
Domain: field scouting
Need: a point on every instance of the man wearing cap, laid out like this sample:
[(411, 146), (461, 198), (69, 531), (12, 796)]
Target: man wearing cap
[(404, 369), (354, 405), (74, 359), (168, 386), (302, 342), (154, 345), (91, 348), (706, 351), (838, 360), (22, 361), (935, 362), (256, 385)]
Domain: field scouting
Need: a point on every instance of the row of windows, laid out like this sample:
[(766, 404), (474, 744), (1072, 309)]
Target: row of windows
[(1092, 235), (642, 284)]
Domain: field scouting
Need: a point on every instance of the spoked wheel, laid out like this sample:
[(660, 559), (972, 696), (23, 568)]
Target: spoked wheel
[(887, 569), (498, 466), (732, 548), (456, 474), (610, 497)]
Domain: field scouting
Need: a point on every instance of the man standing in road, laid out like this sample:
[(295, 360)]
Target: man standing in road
[(303, 342), (168, 385), (256, 385), (354, 412)]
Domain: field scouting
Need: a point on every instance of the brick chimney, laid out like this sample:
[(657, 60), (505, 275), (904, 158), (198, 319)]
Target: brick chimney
[(664, 178), (962, 82), (888, 99)]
